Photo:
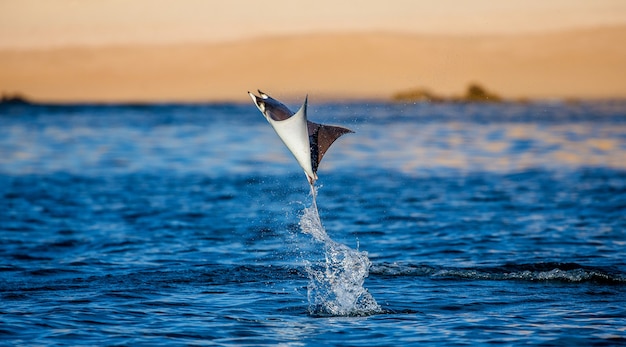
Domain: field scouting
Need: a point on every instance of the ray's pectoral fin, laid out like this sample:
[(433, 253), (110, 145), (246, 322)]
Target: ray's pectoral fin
[(321, 136)]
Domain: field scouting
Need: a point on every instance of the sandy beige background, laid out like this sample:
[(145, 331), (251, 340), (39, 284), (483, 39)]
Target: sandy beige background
[(203, 50), (586, 63)]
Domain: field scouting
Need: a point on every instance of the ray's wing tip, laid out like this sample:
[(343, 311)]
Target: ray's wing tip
[(345, 130)]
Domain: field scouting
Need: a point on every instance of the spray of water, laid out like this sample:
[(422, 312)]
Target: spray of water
[(336, 283)]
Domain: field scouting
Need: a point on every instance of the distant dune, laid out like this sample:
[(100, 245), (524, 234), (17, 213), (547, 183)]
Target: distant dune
[(585, 63)]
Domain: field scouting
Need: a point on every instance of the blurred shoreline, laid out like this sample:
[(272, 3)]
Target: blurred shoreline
[(577, 64)]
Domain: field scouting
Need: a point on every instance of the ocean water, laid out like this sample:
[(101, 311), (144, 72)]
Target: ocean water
[(432, 224)]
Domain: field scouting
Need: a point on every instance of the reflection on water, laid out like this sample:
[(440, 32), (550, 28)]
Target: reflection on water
[(409, 140), (501, 147)]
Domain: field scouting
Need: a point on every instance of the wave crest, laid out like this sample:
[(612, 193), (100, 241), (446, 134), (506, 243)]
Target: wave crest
[(551, 272)]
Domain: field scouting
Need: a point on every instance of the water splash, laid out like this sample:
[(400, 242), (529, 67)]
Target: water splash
[(336, 284)]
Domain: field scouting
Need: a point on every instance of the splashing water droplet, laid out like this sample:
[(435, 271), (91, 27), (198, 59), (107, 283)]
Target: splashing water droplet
[(336, 284)]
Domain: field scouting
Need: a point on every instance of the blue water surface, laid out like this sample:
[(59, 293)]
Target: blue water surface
[(180, 225)]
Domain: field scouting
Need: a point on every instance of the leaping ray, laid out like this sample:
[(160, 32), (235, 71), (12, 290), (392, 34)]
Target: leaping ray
[(307, 141)]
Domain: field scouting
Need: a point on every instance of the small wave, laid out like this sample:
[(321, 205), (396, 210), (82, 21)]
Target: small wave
[(53, 271), (539, 272)]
